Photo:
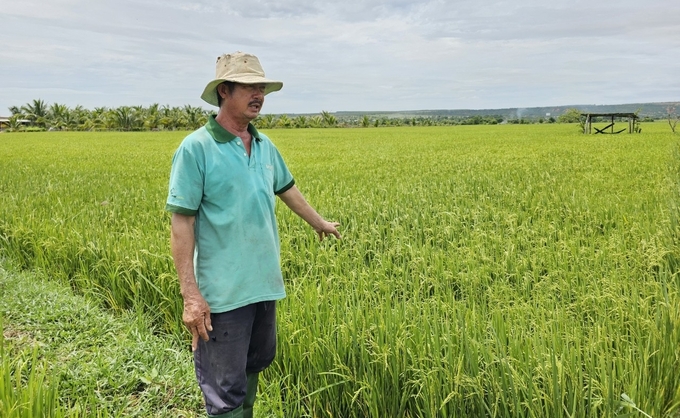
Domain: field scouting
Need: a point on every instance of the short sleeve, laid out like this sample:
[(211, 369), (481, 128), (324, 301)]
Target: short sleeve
[(186, 182), (283, 179)]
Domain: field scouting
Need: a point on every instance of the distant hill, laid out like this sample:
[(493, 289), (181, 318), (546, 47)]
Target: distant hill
[(654, 110)]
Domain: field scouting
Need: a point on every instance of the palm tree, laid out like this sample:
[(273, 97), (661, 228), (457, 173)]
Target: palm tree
[(269, 121), (264, 122), (315, 121), (78, 119), (36, 112), (173, 118), (179, 118), (365, 121), (110, 120), (300, 122), (328, 119), (14, 125), (195, 117), (124, 118), (284, 122), (56, 115), (138, 115), (165, 120), (96, 119), (15, 110), (152, 117)]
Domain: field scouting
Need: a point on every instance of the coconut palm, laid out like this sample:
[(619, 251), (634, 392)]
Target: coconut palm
[(284, 122), (97, 119), (15, 110), (300, 122), (179, 118), (365, 121), (14, 124), (77, 118), (138, 115), (57, 115), (124, 118), (315, 121), (152, 117), (165, 121), (110, 120), (36, 112), (328, 119), (268, 121), (195, 117)]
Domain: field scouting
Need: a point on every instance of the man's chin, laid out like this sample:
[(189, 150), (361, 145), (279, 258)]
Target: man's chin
[(252, 113)]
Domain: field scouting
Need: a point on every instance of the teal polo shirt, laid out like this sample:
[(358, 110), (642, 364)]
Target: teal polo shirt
[(232, 195)]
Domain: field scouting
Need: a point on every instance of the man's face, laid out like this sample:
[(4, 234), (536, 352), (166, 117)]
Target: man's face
[(245, 102)]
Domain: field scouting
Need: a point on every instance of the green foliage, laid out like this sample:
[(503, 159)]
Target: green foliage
[(284, 122), (329, 121), (365, 121), (36, 112), (14, 124), (26, 389), (64, 356), (265, 121), (570, 116), (516, 270), (59, 117)]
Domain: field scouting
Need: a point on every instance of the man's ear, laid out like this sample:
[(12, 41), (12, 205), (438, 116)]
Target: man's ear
[(222, 91)]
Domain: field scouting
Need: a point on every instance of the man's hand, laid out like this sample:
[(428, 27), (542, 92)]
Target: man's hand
[(297, 203), (196, 318), (196, 314), (328, 228)]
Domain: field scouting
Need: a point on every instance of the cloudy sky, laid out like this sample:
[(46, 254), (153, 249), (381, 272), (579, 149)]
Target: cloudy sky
[(361, 55)]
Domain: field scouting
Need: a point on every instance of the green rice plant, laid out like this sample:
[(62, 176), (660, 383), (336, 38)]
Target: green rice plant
[(553, 245), (504, 271)]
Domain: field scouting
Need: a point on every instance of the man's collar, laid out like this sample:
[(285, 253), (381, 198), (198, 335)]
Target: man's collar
[(222, 135)]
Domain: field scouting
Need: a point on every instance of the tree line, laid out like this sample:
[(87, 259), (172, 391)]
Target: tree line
[(40, 116)]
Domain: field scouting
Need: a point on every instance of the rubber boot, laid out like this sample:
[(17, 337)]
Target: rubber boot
[(235, 413), (251, 393)]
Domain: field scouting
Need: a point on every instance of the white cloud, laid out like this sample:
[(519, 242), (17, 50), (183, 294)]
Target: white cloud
[(351, 55)]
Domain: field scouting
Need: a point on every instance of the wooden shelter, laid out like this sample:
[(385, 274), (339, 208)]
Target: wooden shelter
[(588, 125)]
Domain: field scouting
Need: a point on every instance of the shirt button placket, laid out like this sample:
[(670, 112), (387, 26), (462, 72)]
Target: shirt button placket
[(245, 154)]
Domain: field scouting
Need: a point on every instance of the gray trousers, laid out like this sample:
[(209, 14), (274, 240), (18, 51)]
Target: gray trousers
[(241, 344)]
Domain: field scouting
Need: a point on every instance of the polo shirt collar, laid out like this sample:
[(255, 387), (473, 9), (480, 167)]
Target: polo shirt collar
[(222, 135)]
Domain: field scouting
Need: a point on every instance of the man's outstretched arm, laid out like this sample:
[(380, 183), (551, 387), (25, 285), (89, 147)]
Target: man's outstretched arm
[(297, 203)]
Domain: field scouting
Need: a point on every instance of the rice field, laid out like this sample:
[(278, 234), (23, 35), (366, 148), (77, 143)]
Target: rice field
[(502, 271)]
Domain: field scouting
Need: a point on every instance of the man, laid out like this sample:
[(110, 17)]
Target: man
[(225, 243)]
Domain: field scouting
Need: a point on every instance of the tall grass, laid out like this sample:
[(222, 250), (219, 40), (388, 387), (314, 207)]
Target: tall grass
[(484, 271), (26, 391)]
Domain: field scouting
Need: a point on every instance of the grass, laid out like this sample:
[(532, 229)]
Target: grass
[(484, 270), (25, 389), (62, 355)]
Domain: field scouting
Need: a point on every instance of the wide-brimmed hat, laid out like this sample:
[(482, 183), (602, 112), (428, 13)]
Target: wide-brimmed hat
[(241, 68)]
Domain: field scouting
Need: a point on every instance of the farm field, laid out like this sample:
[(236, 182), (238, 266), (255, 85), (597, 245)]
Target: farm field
[(504, 271)]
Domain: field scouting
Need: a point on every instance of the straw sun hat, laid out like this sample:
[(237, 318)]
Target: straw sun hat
[(241, 68)]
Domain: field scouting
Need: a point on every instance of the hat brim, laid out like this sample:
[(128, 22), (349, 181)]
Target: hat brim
[(210, 92)]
